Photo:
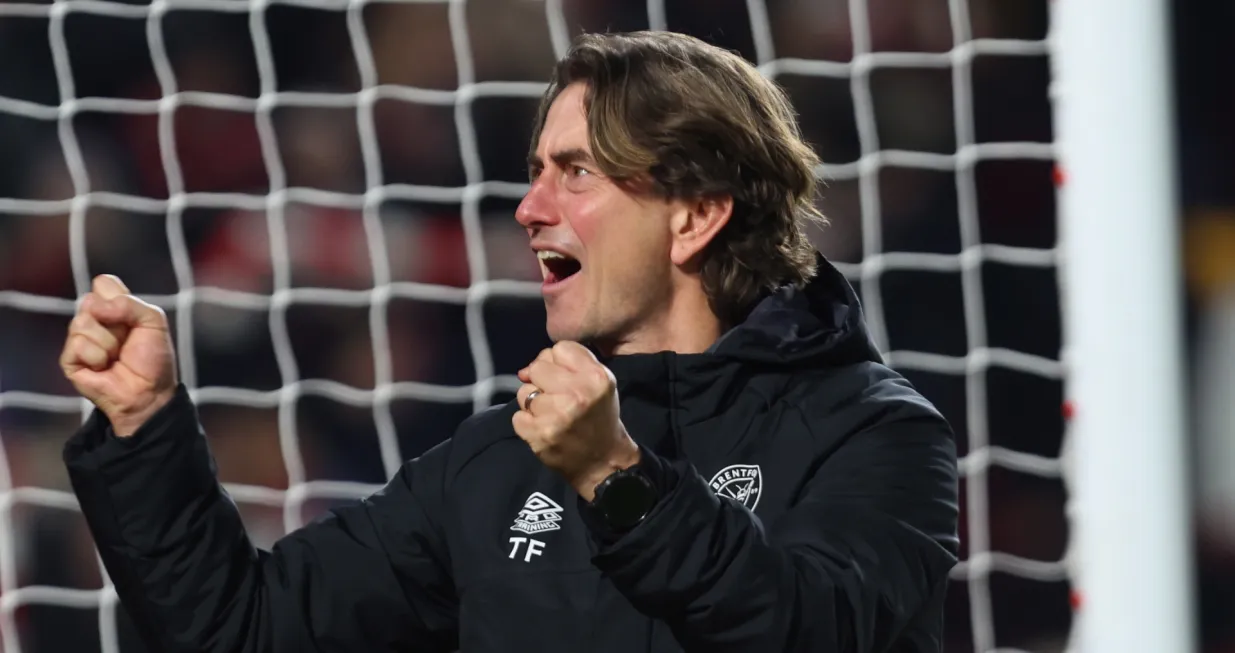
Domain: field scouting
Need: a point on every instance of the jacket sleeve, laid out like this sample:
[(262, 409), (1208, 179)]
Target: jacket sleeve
[(373, 576), (857, 559)]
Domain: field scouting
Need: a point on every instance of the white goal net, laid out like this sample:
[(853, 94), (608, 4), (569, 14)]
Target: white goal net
[(320, 193)]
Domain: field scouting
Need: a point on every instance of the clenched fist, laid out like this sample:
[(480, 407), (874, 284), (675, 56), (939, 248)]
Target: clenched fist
[(118, 354), (570, 417)]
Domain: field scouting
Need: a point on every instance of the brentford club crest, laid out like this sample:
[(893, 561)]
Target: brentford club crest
[(742, 483)]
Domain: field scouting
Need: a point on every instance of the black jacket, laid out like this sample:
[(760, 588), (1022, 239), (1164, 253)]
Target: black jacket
[(809, 504)]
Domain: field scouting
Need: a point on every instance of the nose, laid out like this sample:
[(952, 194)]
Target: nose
[(537, 209)]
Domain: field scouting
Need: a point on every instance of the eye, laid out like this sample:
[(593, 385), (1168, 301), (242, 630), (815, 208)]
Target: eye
[(577, 171)]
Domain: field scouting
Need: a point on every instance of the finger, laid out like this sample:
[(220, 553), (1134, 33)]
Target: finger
[(118, 306), (81, 352), (111, 313), (523, 424), (545, 354), (92, 384), (573, 356), (538, 405), (69, 362), (539, 431), (550, 377), (86, 325), (89, 304), (127, 311), (522, 394), (108, 286), (587, 372), (530, 431)]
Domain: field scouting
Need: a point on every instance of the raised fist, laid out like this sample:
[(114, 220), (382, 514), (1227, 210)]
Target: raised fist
[(118, 354), (571, 419)]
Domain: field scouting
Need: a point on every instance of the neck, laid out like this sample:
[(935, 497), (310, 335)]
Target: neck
[(686, 326)]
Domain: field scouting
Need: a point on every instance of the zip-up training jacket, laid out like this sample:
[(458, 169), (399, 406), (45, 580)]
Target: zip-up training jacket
[(808, 502)]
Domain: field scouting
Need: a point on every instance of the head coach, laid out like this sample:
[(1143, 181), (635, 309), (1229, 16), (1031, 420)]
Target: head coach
[(712, 457)]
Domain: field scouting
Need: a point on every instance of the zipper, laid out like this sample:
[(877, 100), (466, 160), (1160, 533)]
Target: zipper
[(675, 431)]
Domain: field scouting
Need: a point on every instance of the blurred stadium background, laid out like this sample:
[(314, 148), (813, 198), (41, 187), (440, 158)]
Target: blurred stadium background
[(916, 209)]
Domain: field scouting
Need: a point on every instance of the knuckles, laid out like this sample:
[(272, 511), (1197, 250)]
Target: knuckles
[(570, 349), (560, 349), (79, 343), (79, 351), (600, 380), (121, 308), (536, 367), (548, 433), (79, 323), (576, 404)]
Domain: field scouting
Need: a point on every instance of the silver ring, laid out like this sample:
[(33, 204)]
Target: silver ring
[(527, 403)]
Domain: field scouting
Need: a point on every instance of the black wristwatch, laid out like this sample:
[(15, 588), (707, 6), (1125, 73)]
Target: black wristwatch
[(624, 499)]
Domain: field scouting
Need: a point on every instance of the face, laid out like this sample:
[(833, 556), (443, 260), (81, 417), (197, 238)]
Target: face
[(606, 253)]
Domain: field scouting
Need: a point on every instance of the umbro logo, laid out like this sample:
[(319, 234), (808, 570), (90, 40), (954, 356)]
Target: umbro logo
[(539, 514), (742, 483)]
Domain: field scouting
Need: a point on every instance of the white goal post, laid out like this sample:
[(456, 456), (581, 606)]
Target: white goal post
[(1121, 288)]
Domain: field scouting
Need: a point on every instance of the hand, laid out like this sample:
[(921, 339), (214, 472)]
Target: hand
[(118, 354), (573, 424)]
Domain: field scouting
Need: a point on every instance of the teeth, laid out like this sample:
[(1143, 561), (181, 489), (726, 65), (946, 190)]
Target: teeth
[(545, 255)]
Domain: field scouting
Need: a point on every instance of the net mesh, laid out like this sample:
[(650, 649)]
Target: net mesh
[(871, 270)]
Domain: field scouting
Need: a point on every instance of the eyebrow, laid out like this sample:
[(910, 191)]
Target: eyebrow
[(562, 158)]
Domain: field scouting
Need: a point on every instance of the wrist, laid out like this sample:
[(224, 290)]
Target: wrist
[(126, 423), (622, 501), (624, 457)]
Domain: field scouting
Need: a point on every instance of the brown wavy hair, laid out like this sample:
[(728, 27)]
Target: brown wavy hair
[(698, 121)]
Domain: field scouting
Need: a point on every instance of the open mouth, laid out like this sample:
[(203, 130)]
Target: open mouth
[(557, 267)]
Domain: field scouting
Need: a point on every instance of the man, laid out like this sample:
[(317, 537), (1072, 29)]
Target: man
[(711, 458)]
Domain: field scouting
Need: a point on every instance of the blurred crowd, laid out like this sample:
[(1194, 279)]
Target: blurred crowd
[(311, 50)]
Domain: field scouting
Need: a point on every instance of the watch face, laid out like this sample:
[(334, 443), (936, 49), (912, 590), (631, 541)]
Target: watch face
[(627, 500)]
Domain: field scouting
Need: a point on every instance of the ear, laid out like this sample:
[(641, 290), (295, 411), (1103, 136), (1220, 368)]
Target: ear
[(695, 224)]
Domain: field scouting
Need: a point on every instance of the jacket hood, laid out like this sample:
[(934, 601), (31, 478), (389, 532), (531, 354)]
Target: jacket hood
[(820, 324), (812, 328), (815, 326)]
